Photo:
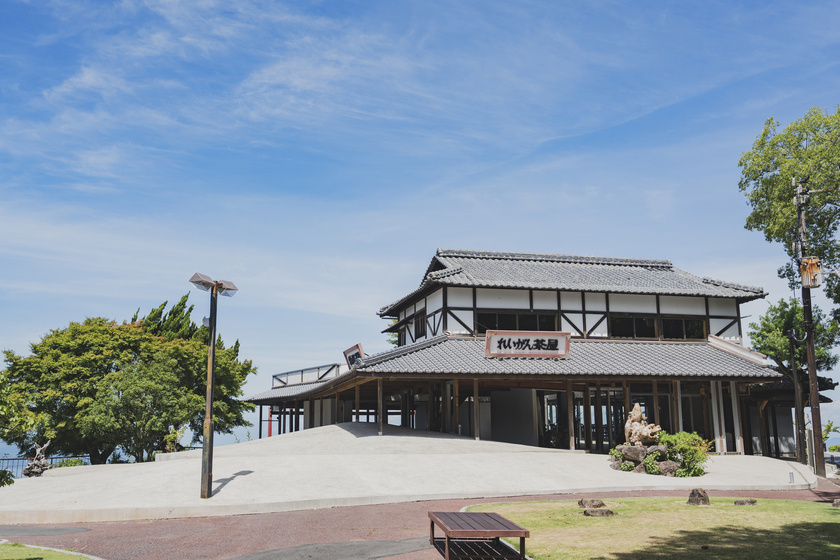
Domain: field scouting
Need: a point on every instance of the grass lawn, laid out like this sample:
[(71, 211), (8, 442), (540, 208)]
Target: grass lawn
[(669, 528), (16, 551)]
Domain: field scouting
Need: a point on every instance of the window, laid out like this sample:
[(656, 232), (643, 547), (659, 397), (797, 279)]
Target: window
[(510, 321), (420, 325), (632, 327), (678, 328)]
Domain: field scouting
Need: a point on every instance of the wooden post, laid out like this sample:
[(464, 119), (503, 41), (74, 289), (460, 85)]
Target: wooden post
[(321, 411), (457, 423), (259, 430), (443, 405), (610, 421), (380, 405), (762, 420), (599, 418), (587, 416), (675, 408), (358, 412), (476, 414), (626, 391), (777, 451), (656, 403), (570, 413)]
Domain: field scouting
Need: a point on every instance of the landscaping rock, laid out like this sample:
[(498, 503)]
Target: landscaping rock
[(591, 504), (660, 450), (632, 453), (668, 468), (698, 497), (598, 512), (836, 503), (640, 468), (746, 502), (615, 465)]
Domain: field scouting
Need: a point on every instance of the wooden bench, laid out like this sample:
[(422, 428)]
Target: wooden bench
[(469, 525)]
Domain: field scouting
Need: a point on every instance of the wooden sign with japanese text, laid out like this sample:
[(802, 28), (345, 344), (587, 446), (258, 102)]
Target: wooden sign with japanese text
[(527, 344)]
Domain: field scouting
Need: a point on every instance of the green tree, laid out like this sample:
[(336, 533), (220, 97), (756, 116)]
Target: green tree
[(83, 385), (806, 150), (829, 429), (769, 336)]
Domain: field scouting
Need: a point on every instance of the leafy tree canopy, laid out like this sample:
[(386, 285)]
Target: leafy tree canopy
[(806, 150), (769, 336), (98, 385)]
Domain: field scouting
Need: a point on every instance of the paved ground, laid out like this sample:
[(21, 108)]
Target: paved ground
[(402, 473), (348, 464), (393, 531)]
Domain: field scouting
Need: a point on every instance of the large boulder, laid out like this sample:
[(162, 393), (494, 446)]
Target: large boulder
[(836, 503), (661, 450), (698, 497), (598, 512), (668, 468), (632, 453), (590, 504)]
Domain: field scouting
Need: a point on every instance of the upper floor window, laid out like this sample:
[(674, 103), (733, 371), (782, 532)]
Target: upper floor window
[(420, 325), (670, 328), (679, 328), (632, 327), (511, 321)]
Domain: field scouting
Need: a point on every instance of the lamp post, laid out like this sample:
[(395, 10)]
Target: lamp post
[(207, 284)]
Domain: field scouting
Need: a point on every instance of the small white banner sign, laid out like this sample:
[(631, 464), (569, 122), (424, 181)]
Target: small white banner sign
[(527, 344)]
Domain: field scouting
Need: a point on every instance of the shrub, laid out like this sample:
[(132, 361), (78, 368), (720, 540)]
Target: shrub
[(69, 462), (687, 449), (834, 448), (627, 466), (650, 464), (6, 478)]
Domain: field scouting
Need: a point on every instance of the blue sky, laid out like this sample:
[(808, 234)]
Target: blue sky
[(317, 153)]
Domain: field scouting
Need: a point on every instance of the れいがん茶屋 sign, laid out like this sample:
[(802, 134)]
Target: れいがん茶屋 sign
[(527, 344)]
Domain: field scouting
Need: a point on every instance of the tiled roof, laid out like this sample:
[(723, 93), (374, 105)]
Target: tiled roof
[(490, 269), (285, 392), (447, 354)]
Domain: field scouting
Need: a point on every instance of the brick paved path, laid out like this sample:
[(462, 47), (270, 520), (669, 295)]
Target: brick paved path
[(394, 531)]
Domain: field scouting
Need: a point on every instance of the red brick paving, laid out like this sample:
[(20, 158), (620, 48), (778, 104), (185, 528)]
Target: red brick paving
[(226, 537)]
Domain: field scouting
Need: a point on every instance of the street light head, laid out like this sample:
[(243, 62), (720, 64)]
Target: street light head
[(202, 281), (227, 288)]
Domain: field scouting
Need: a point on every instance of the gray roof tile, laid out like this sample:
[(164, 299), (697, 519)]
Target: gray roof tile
[(455, 355), (573, 273)]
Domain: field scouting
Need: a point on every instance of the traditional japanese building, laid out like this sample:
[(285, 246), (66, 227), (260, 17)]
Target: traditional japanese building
[(592, 336)]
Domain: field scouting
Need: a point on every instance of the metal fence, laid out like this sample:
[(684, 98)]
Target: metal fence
[(17, 464)]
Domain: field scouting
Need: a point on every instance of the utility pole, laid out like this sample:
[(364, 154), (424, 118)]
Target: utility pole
[(801, 200), (801, 456)]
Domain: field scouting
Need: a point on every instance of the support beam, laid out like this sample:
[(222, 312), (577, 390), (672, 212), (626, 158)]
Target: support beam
[(380, 405), (656, 403), (587, 417), (476, 413), (457, 423), (570, 413), (599, 419)]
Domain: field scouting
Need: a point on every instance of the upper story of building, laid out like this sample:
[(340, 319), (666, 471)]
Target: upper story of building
[(471, 292)]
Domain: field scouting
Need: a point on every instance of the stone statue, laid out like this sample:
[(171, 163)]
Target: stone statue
[(40, 463), (637, 431)]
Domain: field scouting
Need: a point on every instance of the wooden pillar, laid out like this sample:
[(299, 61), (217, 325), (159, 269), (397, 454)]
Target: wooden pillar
[(587, 417), (762, 420), (476, 413), (311, 412), (270, 419), (570, 413), (336, 407), (610, 421), (675, 407), (599, 418), (626, 390), (358, 413), (430, 407), (656, 403), (443, 404), (281, 416), (259, 430), (380, 411), (736, 417), (457, 423), (321, 411), (777, 452)]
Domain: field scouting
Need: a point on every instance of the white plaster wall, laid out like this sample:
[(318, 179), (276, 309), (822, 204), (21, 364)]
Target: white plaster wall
[(571, 301), (502, 299), (600, 330), (545, 300), (459, 297), (434, 301), (514, 416), (730, 334), (465, 316), (632, 303), (723, 306), (575, 319), (596, 301), (682, 305)]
